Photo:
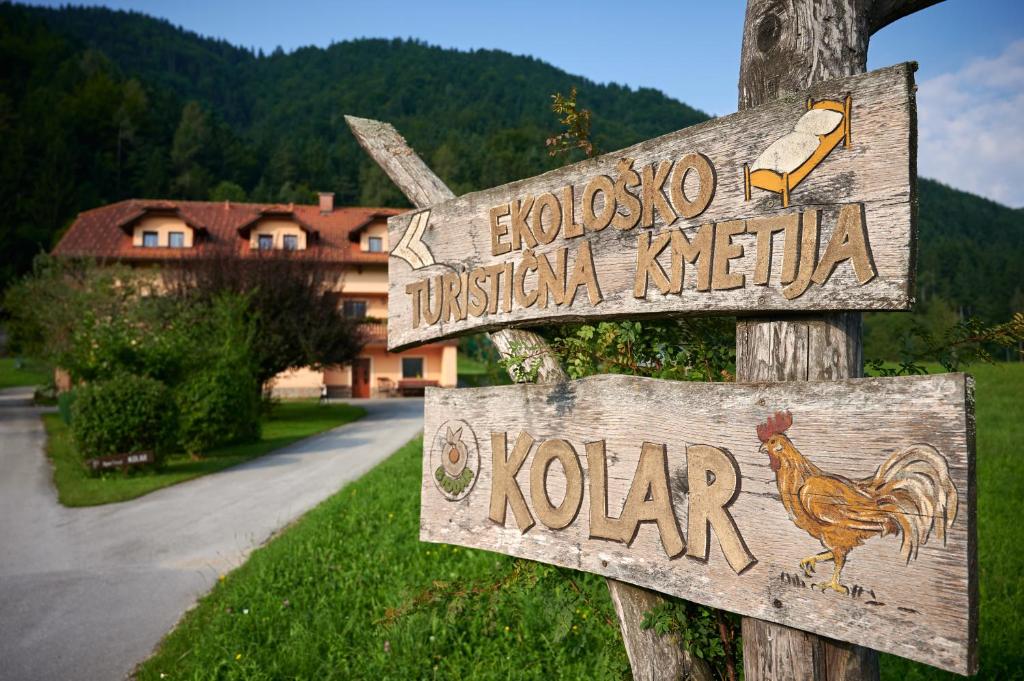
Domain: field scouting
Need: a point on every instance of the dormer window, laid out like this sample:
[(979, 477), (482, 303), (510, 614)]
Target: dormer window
[(266, 242), (291, 242), (176, 239), (150, 239), (375, 244)]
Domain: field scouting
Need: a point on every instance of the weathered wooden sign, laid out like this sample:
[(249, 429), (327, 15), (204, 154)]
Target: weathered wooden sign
[(802, 204), (122, 461), (844, 508)]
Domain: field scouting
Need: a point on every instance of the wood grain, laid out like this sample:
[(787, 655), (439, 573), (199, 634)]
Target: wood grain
[(652, 656), (875, 172), (919, 609)]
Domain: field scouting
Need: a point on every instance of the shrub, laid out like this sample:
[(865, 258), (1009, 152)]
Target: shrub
[(122, 415), (219, 399)]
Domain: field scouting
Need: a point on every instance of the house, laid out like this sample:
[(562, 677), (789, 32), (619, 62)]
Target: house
[(159, 233)]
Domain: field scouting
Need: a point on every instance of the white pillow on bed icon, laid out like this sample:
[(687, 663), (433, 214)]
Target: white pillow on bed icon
[(789, 152)]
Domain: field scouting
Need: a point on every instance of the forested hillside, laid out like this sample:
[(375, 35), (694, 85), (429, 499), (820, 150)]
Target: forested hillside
[(97, 106)]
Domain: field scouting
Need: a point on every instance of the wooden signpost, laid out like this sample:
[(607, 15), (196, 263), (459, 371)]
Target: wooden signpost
[(843, 508), (802, 204)]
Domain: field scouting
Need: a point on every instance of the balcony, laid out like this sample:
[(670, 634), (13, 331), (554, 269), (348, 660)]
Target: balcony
[(374, 331)]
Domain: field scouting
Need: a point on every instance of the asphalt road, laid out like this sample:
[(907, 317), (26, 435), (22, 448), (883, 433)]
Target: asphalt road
[(88, 593)]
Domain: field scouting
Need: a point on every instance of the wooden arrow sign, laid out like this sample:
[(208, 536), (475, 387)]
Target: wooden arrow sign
[(802, 204), (844, 508)]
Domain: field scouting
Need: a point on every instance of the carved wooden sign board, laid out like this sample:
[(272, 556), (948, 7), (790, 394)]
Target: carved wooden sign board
[(843, 508), (803, 204)]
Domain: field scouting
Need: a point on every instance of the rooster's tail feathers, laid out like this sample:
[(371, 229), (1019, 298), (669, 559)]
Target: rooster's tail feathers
[(914, 485)]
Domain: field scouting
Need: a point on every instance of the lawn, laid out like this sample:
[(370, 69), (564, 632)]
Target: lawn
[(31, 373), (350, 592), (288, 422)]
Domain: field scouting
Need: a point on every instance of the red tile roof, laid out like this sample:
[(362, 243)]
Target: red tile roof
[(106, 232)]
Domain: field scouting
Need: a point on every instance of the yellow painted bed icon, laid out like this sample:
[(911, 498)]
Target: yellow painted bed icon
[(792, 157)]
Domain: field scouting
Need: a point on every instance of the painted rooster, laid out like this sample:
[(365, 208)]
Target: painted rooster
[(909, 494)]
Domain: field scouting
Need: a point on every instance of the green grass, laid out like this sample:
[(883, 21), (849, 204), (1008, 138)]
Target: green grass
[(471, 367), (288, 422), (32, 373), (309, 605), (1000, 477)]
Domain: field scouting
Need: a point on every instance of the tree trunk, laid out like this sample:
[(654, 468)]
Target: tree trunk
[(788, 45), (651, 656)]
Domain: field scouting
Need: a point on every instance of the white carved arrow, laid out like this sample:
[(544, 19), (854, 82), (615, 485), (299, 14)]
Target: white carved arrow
[(410, 247)]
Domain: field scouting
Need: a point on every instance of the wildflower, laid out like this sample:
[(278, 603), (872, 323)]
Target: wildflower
[(245, 611), (387, 646), (506, 630), (238, 656), (222, 577)]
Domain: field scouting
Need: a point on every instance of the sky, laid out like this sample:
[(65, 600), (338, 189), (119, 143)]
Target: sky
[(970, 52)]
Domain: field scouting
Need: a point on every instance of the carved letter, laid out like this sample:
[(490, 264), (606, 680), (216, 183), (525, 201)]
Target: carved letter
[(477, 293), (649, 500), (529, 262), (625, 198), (551, 281), (849, 242), (570, 228), (601, 526), (494, 274), (556, 517), (429, 315), (551, 203), (653, 197), (726, 250), (450, 308), (499, 230), (713, 478), (504, 488), (685, 250), (520, 230), (413, 290), (808, 254), (765, 228), (647, 263), (592, 221), (706, 172), (583, 274)]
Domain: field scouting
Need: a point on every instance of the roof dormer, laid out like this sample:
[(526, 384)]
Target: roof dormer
[(278, 229), (372, 235), (161, 228)]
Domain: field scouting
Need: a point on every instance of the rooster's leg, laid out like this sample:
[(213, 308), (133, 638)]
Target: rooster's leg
[(808, 563), (834, 584)]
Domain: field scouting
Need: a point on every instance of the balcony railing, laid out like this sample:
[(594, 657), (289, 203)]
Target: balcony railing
[(374, 331)]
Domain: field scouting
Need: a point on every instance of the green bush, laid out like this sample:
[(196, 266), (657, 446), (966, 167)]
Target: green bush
[(122, 415), (219, 399), (65, 403), (218, 405)]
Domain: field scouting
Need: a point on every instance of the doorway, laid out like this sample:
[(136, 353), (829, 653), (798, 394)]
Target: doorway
[(361, 377)]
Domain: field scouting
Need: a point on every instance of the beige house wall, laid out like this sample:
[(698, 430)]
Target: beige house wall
[(163, 225), (278, 229), (375, 229), (440, 363)]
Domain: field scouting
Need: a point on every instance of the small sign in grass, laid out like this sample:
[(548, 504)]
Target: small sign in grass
[(289, 421)]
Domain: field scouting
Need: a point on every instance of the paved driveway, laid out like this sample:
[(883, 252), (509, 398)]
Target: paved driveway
[(87, 593)]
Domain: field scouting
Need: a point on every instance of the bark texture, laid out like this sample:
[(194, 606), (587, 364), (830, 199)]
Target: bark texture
[(788, 45)]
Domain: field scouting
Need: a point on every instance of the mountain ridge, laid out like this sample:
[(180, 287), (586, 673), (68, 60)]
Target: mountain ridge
[(152, 109)]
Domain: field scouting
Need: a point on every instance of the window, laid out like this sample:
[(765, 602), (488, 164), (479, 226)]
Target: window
[(412, 367), (375, 244), (265, 242), (291, 242), (354, 309), (150, 239), (176, 239)]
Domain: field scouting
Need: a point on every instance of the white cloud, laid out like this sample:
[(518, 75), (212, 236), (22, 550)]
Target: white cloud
[(971, 127)]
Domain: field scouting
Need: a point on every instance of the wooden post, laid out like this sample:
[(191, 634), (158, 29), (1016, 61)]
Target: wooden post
[(651, 656), (786, 48)]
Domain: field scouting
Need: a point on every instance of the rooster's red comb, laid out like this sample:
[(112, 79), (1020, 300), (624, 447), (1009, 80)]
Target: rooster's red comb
[(775, 425)]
